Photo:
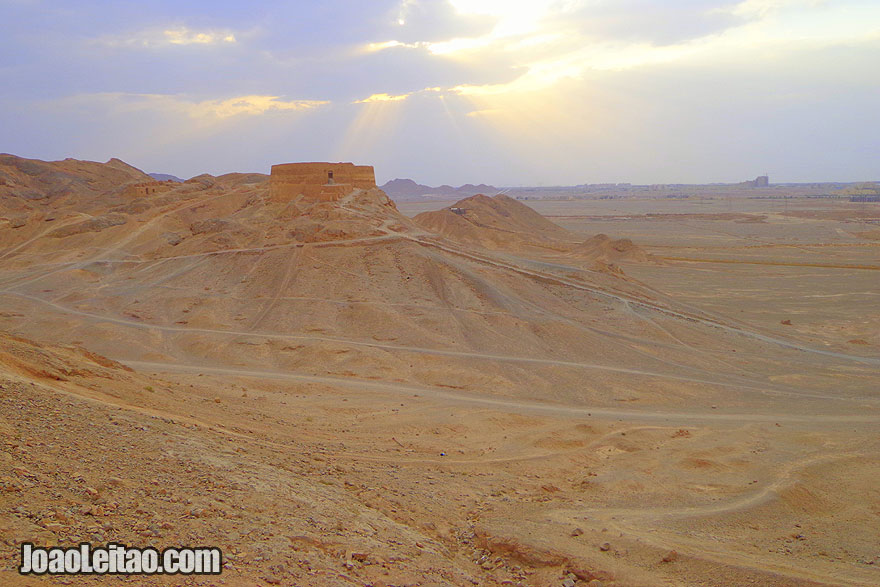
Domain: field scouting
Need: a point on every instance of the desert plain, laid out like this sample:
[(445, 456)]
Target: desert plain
[(358, 392)]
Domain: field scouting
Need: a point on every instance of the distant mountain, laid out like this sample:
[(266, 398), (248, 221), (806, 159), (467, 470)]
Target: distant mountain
[(165, 177), (407, 189)]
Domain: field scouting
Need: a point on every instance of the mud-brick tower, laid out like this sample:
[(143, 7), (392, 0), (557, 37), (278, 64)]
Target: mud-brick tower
[(318, 182)]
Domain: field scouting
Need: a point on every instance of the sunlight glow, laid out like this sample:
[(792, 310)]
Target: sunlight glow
[(374, 123)]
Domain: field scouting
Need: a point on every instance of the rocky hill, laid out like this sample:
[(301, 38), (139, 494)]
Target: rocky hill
[(33, 187)]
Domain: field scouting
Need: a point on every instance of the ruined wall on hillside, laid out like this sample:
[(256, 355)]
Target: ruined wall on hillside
[(147, 188)]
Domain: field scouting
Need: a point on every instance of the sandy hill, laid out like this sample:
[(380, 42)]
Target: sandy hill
[(502, 223), (498, 222), (605, 249)]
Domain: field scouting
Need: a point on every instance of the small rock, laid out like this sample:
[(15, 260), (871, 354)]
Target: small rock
[(172, 238), (595, 583), (671, 556), (605, 547), (568, 583), (577, 532), (216, 400), (22, 472)]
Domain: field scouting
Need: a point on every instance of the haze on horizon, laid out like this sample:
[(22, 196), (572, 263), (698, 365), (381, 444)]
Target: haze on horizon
[(506, 92)]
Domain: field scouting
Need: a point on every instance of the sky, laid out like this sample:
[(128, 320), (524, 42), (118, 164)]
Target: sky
[(506, 92)]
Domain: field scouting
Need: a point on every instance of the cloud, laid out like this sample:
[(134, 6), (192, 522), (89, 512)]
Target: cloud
[(434, 21), (185, 36), (163, 37), (547, 41), (373, 47), (764, 7), (253, 105), (383, 98)]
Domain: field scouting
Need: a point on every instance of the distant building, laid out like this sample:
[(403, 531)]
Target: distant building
[(762, 181)]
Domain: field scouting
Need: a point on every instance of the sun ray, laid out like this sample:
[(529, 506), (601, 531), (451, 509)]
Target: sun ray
[(375, 120)]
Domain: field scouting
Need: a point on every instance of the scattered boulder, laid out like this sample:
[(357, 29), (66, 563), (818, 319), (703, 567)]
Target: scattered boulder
[(209, 226)]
